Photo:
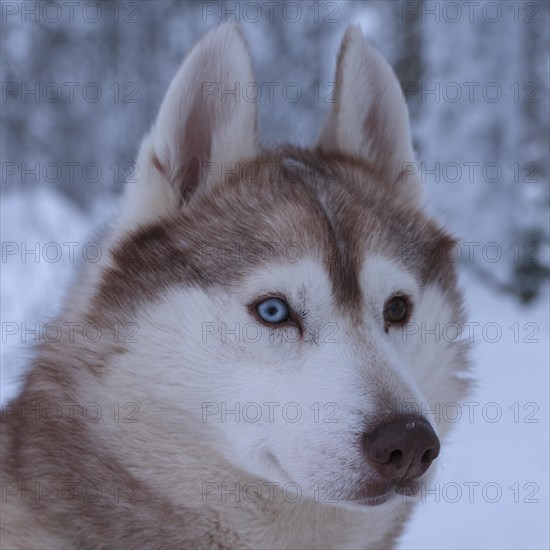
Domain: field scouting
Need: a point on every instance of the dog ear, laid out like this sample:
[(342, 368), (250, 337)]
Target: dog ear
[(202, 129), (370, 119)]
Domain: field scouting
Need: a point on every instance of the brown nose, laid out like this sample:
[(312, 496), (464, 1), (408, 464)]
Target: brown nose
[(401, 449)]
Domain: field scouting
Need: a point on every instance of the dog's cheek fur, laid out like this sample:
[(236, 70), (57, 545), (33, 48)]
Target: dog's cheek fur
[(200, 356), (438, 345)]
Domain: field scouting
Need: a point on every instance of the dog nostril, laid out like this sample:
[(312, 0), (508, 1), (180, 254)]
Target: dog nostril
[(395, 457), (426, 457)]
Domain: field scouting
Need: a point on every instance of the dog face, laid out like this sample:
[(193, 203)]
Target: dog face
[(276, 295)]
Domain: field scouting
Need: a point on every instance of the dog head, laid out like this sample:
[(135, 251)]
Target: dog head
[(280, 295)]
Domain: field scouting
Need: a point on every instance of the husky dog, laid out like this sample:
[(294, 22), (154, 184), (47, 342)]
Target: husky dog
[(251, 367)]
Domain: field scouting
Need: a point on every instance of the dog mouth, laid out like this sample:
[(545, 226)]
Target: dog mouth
[(375, 494), (369, 493)]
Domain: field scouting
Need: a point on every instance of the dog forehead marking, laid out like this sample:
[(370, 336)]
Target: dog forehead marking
[(304, 203)]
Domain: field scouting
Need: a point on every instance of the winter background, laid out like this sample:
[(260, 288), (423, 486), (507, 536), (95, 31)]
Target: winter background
[(81, 83)]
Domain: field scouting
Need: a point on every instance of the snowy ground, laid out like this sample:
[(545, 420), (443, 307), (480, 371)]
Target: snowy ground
[(494, 472), (493, 479)]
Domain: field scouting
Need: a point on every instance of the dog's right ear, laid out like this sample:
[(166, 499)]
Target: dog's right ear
[(202, 129)]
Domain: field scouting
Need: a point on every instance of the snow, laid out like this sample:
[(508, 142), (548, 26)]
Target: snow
[(485, 454), (44, 238)]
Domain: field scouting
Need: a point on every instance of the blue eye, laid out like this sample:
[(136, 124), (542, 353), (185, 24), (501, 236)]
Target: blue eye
[(273, 310)]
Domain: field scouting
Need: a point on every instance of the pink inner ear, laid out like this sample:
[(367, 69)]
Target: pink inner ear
[(189, 176), (156, 163), (195, 148), (376, 130)]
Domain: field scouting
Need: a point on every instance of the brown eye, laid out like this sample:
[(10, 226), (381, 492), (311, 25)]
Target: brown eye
[(396, 310)]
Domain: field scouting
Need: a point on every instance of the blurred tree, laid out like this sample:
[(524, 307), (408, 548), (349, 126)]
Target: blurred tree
[(56, 134), (532, 267)]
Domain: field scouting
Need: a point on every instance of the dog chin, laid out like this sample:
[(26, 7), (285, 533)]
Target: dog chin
[(377, 495)]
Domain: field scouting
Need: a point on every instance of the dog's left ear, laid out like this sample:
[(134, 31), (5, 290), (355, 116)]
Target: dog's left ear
[(369, 118), (204, 127)]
